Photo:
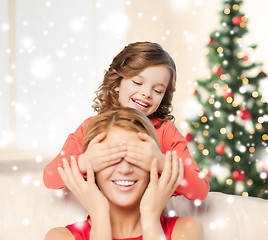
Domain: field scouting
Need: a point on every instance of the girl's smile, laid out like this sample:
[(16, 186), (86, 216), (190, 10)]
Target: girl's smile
[(146, 90)]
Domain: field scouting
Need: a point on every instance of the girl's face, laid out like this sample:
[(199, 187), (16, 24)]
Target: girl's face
[(146, 90), (123, 184)]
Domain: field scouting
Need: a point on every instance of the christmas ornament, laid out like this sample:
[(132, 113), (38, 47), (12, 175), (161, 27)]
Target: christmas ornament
[(189, 137), (195, 92), (227, 93), (245, 58), (236, 20), (245, 114), (217, 70), (211, 41), (220, 149), (239, 176)]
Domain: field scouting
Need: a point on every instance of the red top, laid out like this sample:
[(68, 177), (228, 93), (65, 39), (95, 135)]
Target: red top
[(194, 186), (81, 230)]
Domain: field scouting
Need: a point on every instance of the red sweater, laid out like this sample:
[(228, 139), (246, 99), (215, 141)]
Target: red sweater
[(193, 187), (81, 230)]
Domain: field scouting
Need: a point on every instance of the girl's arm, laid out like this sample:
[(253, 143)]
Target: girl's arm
[(195, 185), (71, 147), (100, 155)]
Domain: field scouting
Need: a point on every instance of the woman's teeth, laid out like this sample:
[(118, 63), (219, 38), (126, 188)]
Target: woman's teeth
[(124, 183)]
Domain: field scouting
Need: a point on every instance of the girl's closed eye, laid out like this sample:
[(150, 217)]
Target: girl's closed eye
[(158, 91), (136, 82)]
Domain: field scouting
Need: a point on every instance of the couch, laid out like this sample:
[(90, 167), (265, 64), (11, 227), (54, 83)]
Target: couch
[(226, 217), (28, 210)]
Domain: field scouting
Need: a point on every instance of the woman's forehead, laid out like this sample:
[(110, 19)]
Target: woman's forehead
[(119, 134)]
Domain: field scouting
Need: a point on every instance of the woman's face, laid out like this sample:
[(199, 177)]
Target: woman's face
[(123, 184)]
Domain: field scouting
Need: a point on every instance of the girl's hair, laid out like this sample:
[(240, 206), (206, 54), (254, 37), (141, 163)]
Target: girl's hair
[(131, 61), (123, 117)]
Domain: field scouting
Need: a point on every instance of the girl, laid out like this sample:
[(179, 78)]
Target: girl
[(120, 199), (141, 76)]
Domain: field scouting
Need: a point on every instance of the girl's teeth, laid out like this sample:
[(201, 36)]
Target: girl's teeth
[(141, 103), (124, 183)]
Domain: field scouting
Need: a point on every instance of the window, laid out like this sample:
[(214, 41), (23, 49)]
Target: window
[(55, 56)]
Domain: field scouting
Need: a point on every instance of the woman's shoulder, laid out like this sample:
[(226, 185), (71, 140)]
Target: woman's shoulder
[(58, 234), (190, 227)]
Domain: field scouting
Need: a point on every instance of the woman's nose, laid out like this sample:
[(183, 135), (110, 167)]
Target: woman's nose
[(124, 167)]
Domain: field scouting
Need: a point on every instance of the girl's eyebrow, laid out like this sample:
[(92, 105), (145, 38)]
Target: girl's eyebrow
[(140, 76)]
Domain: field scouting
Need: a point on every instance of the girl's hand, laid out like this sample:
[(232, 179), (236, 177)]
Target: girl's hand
[(86, 191), (101, 155), (161, 189), (142, 153)]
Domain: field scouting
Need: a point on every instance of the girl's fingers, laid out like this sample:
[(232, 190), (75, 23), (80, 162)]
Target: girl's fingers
[(111, 149), (133, 161), (113, 156), (131, 153), (100, 137), (145, 137), (140, 163), (108, 163)]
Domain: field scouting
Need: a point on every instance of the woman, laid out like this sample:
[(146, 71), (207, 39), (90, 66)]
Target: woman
[(126, 201)]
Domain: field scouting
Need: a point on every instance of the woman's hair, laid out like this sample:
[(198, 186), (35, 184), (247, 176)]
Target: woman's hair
[(131, 61), (123, 117)]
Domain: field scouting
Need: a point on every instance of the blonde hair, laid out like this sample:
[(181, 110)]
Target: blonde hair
[(131, 61), (124, 117)]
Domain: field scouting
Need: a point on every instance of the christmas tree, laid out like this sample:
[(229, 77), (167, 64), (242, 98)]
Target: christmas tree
[(229, 135)]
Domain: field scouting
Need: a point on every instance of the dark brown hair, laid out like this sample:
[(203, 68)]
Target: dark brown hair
[(131, 61)]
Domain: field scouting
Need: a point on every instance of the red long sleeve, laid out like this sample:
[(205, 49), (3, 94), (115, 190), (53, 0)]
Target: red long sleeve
[(71, 147), (193, 187)]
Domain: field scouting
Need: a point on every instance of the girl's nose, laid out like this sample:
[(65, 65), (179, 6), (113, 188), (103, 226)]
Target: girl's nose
[(146, 91), (124, 167)]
